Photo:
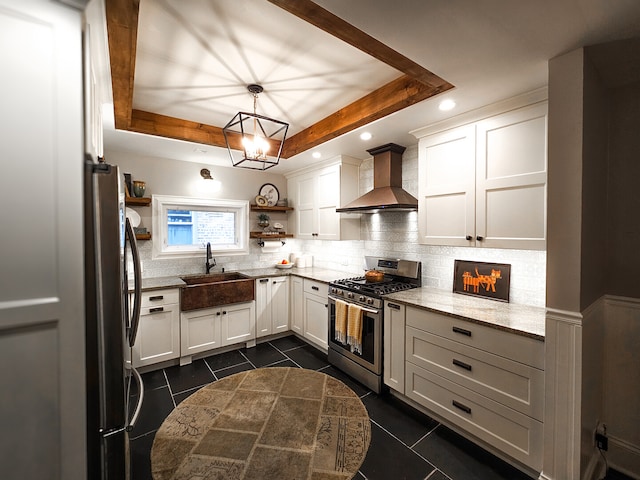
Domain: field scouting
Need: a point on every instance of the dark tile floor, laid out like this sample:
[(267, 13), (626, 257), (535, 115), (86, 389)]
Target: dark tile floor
[(405, 444)]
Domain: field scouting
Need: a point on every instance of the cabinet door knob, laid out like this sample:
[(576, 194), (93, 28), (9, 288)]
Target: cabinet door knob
[(218, 313), (469, 237), (224, 312), (479, 238)]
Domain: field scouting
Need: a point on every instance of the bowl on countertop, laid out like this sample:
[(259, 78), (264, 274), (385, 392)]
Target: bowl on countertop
[(284, 265)]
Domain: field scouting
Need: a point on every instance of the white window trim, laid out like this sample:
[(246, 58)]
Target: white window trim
[(162, 203)]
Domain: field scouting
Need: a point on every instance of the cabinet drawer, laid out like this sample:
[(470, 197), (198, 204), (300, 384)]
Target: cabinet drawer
[(513, 384), (505, 344), (509, 431), (316, 288), (160, 297)]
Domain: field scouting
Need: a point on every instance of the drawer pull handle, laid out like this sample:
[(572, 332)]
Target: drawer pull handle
[(394, 306), (156, 310), (460, 364), (462, 331), (315, 288), (462, 407), (264, 280), (156, 298)]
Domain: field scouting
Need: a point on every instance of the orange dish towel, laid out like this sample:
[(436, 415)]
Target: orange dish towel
[(354, 329), (341, 322)]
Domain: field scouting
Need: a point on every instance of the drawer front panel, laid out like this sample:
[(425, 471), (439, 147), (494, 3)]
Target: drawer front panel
[(316, 288), (513, 384), (511, 432), (160, 297), (505, 344)]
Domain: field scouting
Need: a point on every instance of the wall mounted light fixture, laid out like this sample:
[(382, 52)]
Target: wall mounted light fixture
[(256, 139)]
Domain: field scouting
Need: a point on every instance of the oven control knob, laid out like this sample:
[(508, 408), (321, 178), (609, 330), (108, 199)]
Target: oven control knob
[(361, 298), (350, 295), (333, 290), (369, 301), (340, 292)]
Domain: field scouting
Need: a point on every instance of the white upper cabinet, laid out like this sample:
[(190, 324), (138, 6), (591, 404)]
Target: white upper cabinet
[(316, 193), (485, 183), (446, 197)]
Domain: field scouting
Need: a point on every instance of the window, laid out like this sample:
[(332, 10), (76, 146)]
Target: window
[(183, 226)]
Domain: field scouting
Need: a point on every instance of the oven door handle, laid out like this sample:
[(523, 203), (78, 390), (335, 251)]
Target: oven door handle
[(369, 310)]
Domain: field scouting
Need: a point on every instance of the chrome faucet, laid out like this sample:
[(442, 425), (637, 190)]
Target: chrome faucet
[(208, 265)]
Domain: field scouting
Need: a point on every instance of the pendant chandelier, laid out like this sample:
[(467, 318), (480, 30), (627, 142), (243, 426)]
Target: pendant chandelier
[(254, 141)]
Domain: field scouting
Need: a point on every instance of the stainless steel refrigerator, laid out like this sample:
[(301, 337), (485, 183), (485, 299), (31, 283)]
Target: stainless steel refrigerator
[(111, 323)]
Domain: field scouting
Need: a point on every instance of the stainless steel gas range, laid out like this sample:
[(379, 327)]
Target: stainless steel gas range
[(366, 365)]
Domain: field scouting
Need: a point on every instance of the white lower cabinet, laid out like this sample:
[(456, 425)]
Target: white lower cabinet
[(316, 316), (158, 337), (394, 339), (485, 381), (297, 305), (210, 328), (272, 305)]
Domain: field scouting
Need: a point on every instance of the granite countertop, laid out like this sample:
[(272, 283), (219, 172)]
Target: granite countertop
[(520, 319), (314, 273)]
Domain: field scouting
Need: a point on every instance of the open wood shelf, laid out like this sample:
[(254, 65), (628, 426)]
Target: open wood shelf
[(271, 208), (138, 201), (270, 235), (143, 236)]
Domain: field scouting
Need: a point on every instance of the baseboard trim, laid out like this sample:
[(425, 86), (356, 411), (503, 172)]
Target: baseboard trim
[(624, 457)]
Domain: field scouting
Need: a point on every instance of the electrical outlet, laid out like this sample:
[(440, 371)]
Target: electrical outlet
[(602, 442)]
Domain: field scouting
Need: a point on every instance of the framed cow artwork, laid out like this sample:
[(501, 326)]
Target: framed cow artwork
[(481, 279)]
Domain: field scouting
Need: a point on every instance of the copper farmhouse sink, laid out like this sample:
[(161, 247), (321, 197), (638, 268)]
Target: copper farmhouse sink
[(211, 290)]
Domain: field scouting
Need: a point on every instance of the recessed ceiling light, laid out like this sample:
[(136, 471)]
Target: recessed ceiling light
[(446, 105), (316, 155), (365, 136)]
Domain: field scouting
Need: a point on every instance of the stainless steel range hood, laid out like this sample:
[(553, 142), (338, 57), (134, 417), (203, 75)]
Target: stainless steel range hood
[(387, 193)]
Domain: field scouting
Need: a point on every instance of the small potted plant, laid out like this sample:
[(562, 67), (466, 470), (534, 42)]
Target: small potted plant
[(263, 220)]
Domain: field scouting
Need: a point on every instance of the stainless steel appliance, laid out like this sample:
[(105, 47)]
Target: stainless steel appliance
[(110, 330), (366, 367)]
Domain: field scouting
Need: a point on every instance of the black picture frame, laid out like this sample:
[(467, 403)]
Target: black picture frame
[(482, 279)]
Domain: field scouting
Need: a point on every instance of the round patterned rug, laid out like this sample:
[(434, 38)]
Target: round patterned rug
[(269, 423)]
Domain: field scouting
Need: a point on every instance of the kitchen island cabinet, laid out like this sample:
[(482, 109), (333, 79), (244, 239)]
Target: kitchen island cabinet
[(484, 183), (316, 193)]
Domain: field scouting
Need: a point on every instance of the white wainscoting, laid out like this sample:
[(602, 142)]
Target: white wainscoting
[(621, 383), (563, 364), (589, 382)]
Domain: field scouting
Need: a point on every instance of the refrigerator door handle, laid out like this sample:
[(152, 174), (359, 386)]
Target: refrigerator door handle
[(136, 412), (135, 314)]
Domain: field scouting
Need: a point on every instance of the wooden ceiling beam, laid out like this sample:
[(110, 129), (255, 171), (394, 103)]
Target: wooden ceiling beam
[(314, 14), (415, 85), (392, 97), (122, 30)]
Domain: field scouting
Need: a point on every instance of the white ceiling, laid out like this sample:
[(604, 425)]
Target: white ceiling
[(195, 57)]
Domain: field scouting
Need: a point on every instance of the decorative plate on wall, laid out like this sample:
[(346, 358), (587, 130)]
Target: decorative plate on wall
[(270, 192)]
